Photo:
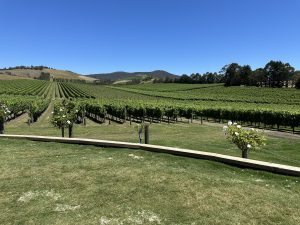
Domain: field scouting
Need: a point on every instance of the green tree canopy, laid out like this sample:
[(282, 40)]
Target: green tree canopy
[(278, 73)]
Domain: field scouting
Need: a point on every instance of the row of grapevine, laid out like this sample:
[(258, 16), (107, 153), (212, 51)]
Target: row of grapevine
[(25, 87), (18, 105), (224, 94), (69, 90), (171, 87), (158, 110)]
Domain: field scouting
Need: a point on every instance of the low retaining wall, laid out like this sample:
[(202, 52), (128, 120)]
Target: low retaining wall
[(236, 161)]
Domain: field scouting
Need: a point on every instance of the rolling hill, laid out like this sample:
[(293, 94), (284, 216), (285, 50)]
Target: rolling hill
[(6, 74), (115, 76)]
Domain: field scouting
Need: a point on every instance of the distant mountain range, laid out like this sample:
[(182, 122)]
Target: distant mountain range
[(23, 72), (128, 76)]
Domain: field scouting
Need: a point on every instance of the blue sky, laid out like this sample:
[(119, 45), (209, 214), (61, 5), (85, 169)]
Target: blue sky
[(180, 36)]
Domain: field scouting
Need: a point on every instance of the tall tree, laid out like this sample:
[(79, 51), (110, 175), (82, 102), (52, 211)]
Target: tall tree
[(278, 73), (245, 74), (184, 79), (258, 78), (232, 74), (295, 77), (196, 77)]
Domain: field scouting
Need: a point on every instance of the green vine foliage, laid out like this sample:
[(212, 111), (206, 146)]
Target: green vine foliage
[(244, 139), (4, 111), (36, 108), (65, 114)]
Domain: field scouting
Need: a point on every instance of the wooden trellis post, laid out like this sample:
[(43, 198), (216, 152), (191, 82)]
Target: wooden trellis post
[(146, 133)]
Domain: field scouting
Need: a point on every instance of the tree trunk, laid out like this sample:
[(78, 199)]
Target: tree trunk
[(125, 115), (293, 129), (1, 127), (140, 137), (245, 154), (70, 131), (62, 132)]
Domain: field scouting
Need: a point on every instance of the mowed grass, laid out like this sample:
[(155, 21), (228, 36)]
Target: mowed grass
[(206, 137), (52, 183)]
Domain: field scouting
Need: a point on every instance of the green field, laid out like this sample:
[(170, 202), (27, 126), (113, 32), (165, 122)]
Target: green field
[(112, 102), (262, 106), (49, 183)]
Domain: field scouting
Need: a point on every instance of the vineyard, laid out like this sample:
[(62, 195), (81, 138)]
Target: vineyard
[(219, 93), (253, 106), (24, 96), (172, 111), (69, 90), (158, 103), (18, 105), (25, 87)]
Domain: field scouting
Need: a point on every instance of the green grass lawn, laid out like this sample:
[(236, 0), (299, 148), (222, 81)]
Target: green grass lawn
[(52, 183), (192, 136)]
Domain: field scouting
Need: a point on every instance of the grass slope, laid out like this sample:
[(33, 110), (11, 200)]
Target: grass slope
[(206, 137), (51, 183), (31, 74), (4, 76)]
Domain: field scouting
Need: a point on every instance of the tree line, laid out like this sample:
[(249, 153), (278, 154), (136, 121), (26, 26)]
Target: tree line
[(273, 74), (26, 68)]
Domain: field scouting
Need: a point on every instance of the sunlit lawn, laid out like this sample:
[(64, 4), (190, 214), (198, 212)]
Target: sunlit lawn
[(193, 136), (52, 183)]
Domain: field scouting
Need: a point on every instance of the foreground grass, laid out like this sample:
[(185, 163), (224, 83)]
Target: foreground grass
[(193, 136), (51, 183)]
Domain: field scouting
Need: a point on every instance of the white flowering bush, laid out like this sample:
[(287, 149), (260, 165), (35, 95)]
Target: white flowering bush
[(244, 139), (4, 112), (64, 115)]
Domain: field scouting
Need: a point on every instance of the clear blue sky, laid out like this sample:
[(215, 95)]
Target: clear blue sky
[(180, 36)]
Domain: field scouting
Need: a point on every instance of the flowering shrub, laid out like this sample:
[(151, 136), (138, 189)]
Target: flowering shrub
[(4, 111), (65, 115), (244, 139)]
